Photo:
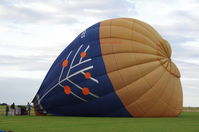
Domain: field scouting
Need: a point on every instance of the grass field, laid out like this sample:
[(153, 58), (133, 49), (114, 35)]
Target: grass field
[(187, 122)]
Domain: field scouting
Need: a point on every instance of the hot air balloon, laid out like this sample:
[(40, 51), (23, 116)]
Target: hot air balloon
[(118, 67)]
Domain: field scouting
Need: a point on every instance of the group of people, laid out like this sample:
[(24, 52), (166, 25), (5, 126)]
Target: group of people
[(16, 110)]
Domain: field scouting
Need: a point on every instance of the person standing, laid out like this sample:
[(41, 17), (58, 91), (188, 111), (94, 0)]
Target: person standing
[(28, 108), (18, 110), (7, 110), (12, 109)]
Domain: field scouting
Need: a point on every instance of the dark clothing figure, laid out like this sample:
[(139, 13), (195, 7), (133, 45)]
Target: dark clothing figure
[(12, 109), (28, 108), (12, 106), (7, 110)]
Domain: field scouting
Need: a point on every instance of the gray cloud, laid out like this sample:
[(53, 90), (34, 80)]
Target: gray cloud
[(184, 27), (188, 70), (40, 59), (20, 12), (18, 90), (63, 12), (26, 63)]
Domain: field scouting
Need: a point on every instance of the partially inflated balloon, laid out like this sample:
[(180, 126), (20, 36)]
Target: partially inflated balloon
[(118, 67)]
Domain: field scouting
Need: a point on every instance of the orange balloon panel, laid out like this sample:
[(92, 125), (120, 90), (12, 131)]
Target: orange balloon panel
[(138, 63)]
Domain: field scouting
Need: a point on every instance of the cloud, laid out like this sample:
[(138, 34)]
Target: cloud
[(32, 12), (183, 28), (18, 90), (35, 58), (190, 91), (26, 63), (188, 70), (64, 12)]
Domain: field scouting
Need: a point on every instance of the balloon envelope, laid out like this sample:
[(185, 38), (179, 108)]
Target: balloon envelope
[(118, 67)]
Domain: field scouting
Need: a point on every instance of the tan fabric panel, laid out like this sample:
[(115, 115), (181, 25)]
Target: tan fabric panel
[(124, 95), (142, 30), (149, 28), (130, 59), (110, 63), (172, 101), (125, 60), (145, 102), (141, 87), (157, 109), (146, 26), (107, 46), (175, 107), (172, 68), (131, 74), (128, 94), (118, 45), (105, 23), (169, 112), (162, 83), (124, 33), (144, 58), (146, 68), (142, 48), (142, 39), (128, 75), (167, 48), (168, 91), (180, 97), (138, 63), (162, 50), (154, 76), (122, 23), (136, 110), (150, 97), (175, 70), (159, 51), (121, 32), (146, 99), (134, 26), (116, 80), (105, 31), (123, 46)]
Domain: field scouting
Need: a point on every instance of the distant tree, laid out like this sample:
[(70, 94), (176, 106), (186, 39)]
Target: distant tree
[(3, 104)]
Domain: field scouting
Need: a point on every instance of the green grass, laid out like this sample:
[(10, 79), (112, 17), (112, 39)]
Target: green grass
[(187, 122)]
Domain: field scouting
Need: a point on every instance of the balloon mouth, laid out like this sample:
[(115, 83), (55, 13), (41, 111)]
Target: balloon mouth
[(164, 50), (38, 108)]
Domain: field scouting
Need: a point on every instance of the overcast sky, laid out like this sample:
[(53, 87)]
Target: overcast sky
[(34, 32)]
